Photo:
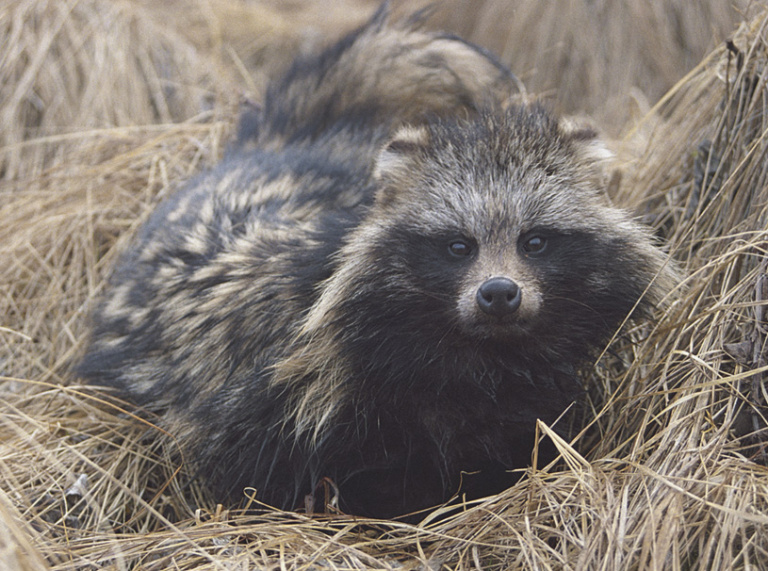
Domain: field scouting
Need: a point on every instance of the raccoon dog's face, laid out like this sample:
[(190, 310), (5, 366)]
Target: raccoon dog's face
[(498, 228)]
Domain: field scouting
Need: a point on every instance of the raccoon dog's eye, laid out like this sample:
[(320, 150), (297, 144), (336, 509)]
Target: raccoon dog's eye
[(534, 245), (459, 248)]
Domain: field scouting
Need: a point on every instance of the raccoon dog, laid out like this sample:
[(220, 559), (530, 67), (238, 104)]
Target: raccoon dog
[(385, 284)]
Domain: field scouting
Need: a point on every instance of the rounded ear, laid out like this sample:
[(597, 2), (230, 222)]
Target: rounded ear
[(589, 147), (398, 159), (586, 140)]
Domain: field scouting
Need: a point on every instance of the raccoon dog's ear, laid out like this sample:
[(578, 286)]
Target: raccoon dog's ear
[(590, 148), (397, 160)]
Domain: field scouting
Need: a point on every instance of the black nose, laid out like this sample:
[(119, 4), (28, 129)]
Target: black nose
[(499, 297)]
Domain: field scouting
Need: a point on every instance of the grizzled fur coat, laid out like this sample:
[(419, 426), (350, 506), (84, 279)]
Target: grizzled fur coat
[(392, 276)]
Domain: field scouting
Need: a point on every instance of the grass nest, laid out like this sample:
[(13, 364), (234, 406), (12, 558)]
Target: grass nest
[(669, 470)]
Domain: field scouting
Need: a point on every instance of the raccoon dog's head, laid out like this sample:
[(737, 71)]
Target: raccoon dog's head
[(502, 226), (492, 232)]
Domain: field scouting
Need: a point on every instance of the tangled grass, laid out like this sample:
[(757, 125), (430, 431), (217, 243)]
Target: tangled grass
[(105, 110)]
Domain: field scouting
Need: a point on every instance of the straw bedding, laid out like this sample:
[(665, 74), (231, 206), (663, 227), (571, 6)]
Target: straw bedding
[(106, 108)]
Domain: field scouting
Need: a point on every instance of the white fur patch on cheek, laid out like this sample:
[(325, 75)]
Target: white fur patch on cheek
[(532, 302), (466, 306)]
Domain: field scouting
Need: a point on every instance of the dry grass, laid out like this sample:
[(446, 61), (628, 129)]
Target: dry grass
[(610, 59), (106, 107)]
